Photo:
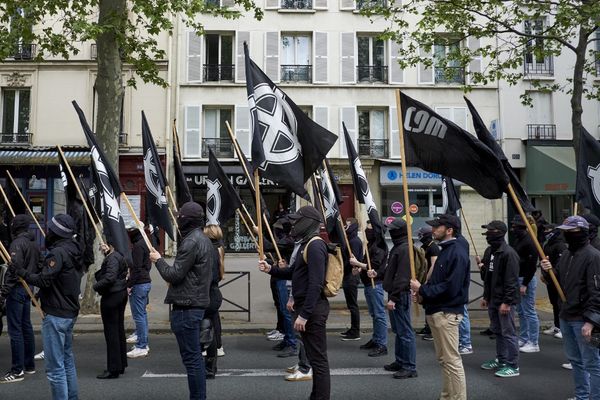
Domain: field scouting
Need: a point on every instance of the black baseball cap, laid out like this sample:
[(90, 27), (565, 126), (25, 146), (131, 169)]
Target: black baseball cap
[(191, 209), (447, 220), (495, 226), (518, 221), (307, 212), (397, 223)]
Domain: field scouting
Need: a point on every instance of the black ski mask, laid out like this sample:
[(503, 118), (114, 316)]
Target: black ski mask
[(304, 228), (494, 239), (370, 235), (576, 239)]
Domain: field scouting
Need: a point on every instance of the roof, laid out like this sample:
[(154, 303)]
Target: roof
[(76, 155)]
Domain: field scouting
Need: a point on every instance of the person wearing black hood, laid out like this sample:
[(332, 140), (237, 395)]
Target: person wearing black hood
[(593, 231), (500, 295), (190, 279), (59, 283), (311, 306), (25, 254), (553, 248), (350, 283), (577, 271)]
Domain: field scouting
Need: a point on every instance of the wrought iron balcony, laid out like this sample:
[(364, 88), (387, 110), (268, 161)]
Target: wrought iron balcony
[(24, 52), (368, 4), (218, 72), (450, 75), (372, 73), (222, 147), (539, 68), (123, 139), (296, 4), (296, 73), (541, 131), (374, 148), (15, 138)]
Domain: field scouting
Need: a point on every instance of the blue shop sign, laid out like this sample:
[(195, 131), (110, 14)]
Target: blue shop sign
[(392, 175)]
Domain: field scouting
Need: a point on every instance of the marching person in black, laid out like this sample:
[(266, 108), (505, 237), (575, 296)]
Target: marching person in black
[(112, 286), (310, 303), (432, 251), (350, 283)]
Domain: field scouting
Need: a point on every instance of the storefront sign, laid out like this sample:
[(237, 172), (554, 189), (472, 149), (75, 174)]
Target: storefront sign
[(237, 180), (389, 220), (392, 175), (397, 207), (413, 209)]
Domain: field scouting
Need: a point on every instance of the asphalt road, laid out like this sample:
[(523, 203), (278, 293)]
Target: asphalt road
[(250, 371)]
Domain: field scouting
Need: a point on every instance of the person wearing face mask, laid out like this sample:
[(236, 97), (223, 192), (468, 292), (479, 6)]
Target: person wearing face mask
[(500, 295), (593, 231), (190, 279), (350, 282), (553, 248), (311, 307), (578, 272), (529, 322)]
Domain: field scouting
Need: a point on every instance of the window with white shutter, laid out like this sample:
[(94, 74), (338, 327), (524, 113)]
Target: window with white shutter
[(227, 3), (240, 70), (458, 115), (425, 72), (321, 116), (272, 55), (320, 64), (272, 4), (296, 57), (242, 128), (475, 66), (394, 134), (215, 134), (194, 57), (191, 139), (348, 57), (396, 73), (371, 59), (347, 5), (321, 5), (348, 117)]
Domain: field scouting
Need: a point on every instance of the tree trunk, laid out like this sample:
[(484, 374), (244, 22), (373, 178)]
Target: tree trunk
[(90, 303), (577, 94), (110, 91)]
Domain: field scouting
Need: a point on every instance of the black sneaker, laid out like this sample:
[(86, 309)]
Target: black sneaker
[(279, 346), (378, 351), (486, 332), (12, 377), (288, 351), (424, 331), (428, 337), (351, 336), (393, 367), (405, 374), (369, 345), (347, 331)]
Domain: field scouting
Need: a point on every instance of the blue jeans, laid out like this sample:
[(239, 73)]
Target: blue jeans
[(464, 330), (376, 306), (18, 318), (405, 349), (138, 299), (529, 323), (185, 324), (57, 336), (288, 327), (585, 360)]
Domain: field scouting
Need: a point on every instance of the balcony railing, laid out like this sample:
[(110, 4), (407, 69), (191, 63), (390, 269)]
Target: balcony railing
[(372, 73), (375, 148), (450, 75), (296, 4), (15, 138), (367, 4), (540, 68), (222, 147), (123, 139), (218, 72), (541, 131), (296, 73), (24, 52)]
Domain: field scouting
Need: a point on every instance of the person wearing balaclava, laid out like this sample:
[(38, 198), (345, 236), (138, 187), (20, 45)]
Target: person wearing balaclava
[(554, 247), (350, 282), (25, 254), (577, 272), (432, 251), (311, 307), (529, 322), (190, 278), (59, 283), (500, 296), (593, 231)]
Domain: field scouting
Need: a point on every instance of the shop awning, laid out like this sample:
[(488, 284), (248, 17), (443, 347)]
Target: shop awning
[(43, 156), (550, 170)]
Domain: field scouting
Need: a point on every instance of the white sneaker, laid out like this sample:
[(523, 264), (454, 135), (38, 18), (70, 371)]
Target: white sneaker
[(298, 376), (465, 350), (39, 356), (558, 334), (272, 332), (551, 331), (132, 338), (567, 366), (137, 352), (276, 337), (204, 353), (522, 343), (220, 352), (530, 348), (292, 369)]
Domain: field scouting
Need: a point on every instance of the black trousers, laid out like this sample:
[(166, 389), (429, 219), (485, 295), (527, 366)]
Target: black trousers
[(112, 310), (553, 296), (275, 294), (350, 285), (215, 319), (314, 339)]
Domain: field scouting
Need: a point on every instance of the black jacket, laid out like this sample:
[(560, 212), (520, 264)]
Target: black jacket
[(60, 279), (378, 258), (191, 273), (554, 248), (397, 272), (501, 283), (111, 276), (139, 271), (356, 247), (308, 279), (216, 298), (25, 254), (448, 288), (579, 277), (528, 258)]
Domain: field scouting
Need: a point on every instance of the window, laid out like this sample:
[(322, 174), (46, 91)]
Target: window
[(535, 61), (447, 70), (215, 132), (369, 4), (372, 138), (218, 60), (296, 4), (15, 115), (295, 58), (22, 51), (371, 59), (540, 117)]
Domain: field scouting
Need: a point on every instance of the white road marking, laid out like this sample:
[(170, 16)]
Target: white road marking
[(276, 372)]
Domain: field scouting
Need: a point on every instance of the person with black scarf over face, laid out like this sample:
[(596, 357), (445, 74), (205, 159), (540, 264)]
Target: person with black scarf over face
[(500, 295), (311, 307), (578, 272), (593, 231), (553, 248), (25, 253), (190, 279)]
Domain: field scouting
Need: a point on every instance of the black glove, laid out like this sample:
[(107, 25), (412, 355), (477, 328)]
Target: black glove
[(21, 272), (2, 304)]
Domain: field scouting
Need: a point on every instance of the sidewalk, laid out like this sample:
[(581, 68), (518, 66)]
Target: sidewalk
[(262, 311)]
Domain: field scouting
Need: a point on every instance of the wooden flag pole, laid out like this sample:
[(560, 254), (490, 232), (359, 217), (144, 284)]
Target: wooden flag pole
[(89, 213), (511, 191), (25, 202), (137, 221), (575, 208), (93, 209), (261, 255), (469, 232), (7, 202)]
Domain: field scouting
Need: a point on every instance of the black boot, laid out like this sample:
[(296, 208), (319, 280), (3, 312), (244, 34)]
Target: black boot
[(211, 367)]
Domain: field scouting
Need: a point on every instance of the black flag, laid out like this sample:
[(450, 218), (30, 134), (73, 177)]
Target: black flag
[(182, 190), (361, 188), (157, 206), (451, 203), (587, 190), (486, 138), (330, 204), (438, 145), (110, 188), (221, 198), (287, 146)]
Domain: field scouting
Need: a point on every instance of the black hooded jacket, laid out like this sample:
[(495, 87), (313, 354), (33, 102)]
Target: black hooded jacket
[(378, 257), (25, 254), (501, 283), (528, 258), (554, 247), (356, 247), (139, 271), (110, 278), (397, 272)]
